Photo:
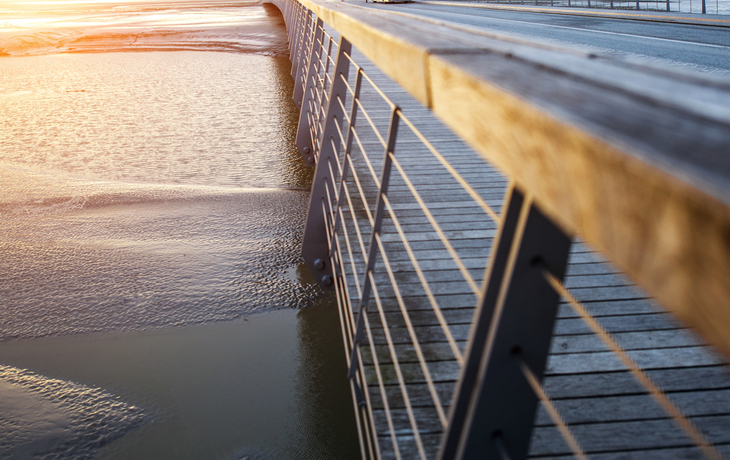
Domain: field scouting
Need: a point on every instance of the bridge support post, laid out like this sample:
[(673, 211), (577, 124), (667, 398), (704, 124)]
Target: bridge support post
[(494, 405), (310, 109), (301, 54), (302, 15), (315, 244), (306, 47), (292, 24)]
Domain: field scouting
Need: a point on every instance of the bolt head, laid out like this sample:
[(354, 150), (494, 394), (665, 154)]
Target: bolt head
[(310, 160), (319, 264), (306, 149), (327, 280)]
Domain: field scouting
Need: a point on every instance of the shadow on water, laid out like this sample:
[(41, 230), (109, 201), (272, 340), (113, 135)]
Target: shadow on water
[(325, 421), (272, 386)]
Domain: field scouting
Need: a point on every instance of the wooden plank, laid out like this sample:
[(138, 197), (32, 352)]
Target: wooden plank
[(617, 383), (418, 394), (427, 418), (646, 359), (683, 453), (623, 323), (430, 442), (406, 353), (620, 436), (636, 407), (441, 371), (653, 339), (425, 334), (612, 308)]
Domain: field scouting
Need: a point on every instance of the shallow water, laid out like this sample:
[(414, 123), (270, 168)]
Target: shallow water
[(154, 219), (152, 300), (262, 389)]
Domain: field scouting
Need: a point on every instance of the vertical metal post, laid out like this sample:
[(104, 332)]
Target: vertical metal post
[(375, 231), (295, 36), (372, 252), (293, 27), (290, 24), (309, 42), (482, 321), (323, 89), (501, 404), (307, 97), (704, 6), (297, 39), (346, 160), (305, 34), (315, 248)]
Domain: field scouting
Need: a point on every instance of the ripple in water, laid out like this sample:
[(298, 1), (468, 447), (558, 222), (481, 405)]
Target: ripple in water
[(153, 264), (53, 419)]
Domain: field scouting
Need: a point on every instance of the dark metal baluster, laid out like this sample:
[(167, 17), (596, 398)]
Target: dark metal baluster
[(302, 47), (304, 97), (302, 15), (375, 231), (482, 322), (496, 403), (315, 248), (346, 158)]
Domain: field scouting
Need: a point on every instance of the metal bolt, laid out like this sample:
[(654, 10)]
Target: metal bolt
[(327, 280), (319, 264), (310, 160), (306, 149)]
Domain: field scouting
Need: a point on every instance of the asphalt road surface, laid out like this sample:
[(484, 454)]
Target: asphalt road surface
[(703, 48)]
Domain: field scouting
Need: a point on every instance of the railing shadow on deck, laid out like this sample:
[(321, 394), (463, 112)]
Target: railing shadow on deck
[(450, 273)]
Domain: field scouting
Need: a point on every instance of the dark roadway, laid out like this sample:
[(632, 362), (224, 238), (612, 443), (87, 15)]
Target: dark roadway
[(703, 48)]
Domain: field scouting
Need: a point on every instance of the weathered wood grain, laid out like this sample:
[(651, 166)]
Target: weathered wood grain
[(631, 435)]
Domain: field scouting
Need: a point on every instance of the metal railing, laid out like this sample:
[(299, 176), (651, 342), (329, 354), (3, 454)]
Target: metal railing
[(655, 5), (678, 6), (398, 259)]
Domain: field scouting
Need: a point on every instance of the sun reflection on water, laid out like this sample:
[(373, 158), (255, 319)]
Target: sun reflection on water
[(32, 28)]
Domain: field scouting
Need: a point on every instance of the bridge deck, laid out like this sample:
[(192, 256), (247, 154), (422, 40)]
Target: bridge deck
[(611, 415)]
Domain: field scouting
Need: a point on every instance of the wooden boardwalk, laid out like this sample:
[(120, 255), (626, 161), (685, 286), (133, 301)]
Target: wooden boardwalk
[(610, 413)]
